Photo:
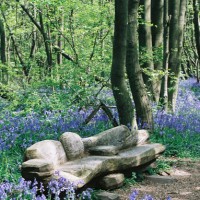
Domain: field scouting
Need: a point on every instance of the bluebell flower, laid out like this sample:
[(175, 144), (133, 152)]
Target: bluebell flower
[(148, 197), (41, 197), (133, 195)]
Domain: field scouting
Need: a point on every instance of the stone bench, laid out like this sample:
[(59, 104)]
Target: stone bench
[(83, 159)]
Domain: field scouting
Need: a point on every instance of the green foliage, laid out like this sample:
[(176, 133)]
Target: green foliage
[(86, 38), (182, 145), (132, 180), (162, 166), (6, 92), (10, 165), (155, 57)]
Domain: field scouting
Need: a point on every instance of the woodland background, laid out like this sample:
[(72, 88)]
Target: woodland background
[(88, 65)]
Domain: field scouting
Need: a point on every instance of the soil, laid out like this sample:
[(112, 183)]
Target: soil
[(186, 185)]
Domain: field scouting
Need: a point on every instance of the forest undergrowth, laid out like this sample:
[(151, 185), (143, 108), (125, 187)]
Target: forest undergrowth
[(180, 132)]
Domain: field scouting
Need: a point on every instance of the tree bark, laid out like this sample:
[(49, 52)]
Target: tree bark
[(142, 104), (119, 86), (197, 33), (19, 55), (46, 44), (145, 38), (164, 87), (177, 11), (3, 52), (3, 42), (41, 28), (34, 36), (60, 43), (157, 42)]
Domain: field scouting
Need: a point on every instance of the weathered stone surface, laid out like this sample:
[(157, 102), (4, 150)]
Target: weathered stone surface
[(119, 153), (107, 196), (47, 150), (87, 168), (38, 168), (72, 144), (104, 150), (39, 165), (142, 136), (119, 136), (161, 179), (112, 181)]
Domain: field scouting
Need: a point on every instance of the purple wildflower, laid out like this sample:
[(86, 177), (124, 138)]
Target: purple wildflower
[(133, 195)]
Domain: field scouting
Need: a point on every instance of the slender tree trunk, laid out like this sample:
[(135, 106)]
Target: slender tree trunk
[(33, 45), (119, 86), (60, 43), (34, 37), (101, 32), (3, 52), (177, 11), (145, 38), (197, 33), (41, 28), (3, 42), (157, 42), (18, 53), (71, 31), (46, 44), (142, 104), (164, 88), (8, 50)]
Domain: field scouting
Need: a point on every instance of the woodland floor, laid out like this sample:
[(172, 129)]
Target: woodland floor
[(186, 186)]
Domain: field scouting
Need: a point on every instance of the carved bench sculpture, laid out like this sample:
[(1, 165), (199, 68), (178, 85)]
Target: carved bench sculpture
[(83, 159)]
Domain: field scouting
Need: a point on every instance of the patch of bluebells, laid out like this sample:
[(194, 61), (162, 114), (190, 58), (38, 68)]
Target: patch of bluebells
[(35, 191), (183, 126), (23, 131), (58, 189), (135, 193), (17, 129), (196, 89), (187, 115)]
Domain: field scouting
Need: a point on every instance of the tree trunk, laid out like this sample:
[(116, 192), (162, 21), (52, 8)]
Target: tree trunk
[(145, 38), (164, 88), (157, 42), (60, 43), (3, 42), (142, 104), (177, 11), (3, 52), (197, 33), (41, 28), (119, 86), (71, 31), (19, 55), (46, 44), (34, 36)]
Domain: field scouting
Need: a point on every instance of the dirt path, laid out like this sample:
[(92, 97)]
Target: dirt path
[(185, 187)]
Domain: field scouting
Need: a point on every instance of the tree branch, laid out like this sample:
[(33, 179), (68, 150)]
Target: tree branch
[(31, 17), (109, 114), (56, 48)]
